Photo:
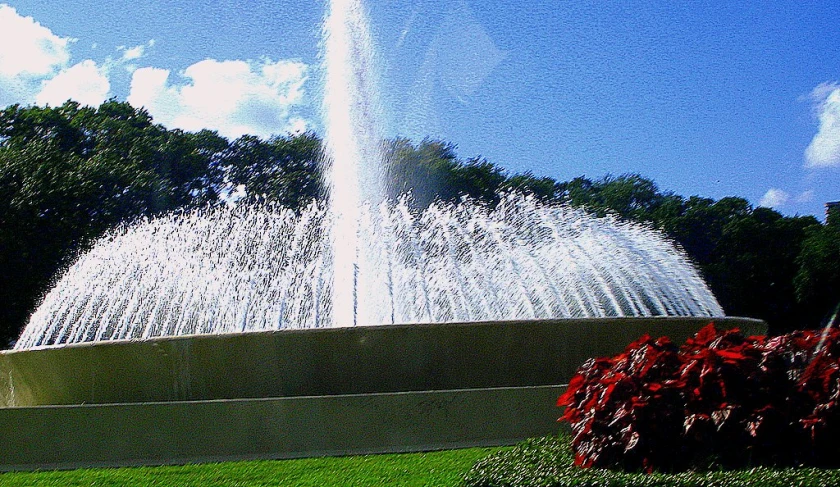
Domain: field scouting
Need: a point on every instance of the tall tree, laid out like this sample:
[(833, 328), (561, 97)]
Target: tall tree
[(432, 171), (818, 277), (69, 173), (284, 170), (425, 172), (543, 188), (753, 267), (629, 196)]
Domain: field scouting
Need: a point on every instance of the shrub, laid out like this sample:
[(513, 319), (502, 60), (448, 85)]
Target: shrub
[(722, 399)]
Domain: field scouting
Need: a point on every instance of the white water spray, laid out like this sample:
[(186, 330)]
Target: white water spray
[(361, 260), (353, 142), (257, 268)]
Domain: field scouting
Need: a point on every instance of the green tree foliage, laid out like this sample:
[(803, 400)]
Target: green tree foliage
[(69, 173), (817, 281), (426, 171), (283, 170), (630, 197), (754, 264), (432, 171), (545, 189)]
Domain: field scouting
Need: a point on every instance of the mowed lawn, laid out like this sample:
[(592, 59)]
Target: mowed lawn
[(443, 468)]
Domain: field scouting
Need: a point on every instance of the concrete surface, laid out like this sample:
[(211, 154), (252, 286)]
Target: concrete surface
[(63, 437), (303, 392), (323, 362)]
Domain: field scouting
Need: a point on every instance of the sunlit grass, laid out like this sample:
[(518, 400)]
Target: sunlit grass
[(444, 468)]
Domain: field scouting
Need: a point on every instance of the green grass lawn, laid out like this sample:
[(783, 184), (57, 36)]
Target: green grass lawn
[(541, 462), (444, 468)]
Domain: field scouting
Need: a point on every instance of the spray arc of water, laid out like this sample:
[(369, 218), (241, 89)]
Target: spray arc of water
[(231, 270), (358, 259)]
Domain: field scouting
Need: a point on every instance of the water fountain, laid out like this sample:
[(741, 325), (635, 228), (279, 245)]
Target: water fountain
[(355, 326), (258, 269)]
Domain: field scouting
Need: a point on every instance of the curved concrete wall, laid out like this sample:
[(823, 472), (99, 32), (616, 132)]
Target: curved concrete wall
[(326, 362), (159, 433), (302, 393)]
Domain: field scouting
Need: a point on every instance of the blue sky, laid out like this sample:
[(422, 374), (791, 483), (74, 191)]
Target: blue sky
[(727, 98)]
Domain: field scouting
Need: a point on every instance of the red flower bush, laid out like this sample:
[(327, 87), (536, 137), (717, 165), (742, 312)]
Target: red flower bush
[(720, 399)]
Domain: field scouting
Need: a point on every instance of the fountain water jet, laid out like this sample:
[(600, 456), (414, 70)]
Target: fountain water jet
[(361, 260), (353, 142), (162, 344), (261, 269)]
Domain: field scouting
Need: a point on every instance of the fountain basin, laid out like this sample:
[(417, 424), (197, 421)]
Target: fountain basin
[(301, 393)]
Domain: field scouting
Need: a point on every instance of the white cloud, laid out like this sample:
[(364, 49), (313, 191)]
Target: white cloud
[(36, 50), (136, 52), (774, 198), (824, 149), (35, 54), (131, 54), (233, 97), (85, 83)]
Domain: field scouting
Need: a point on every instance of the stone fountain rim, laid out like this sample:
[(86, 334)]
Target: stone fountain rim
[(362, 328), (413, 394)]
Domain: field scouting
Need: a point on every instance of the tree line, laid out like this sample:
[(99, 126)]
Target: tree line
[(69, 173)]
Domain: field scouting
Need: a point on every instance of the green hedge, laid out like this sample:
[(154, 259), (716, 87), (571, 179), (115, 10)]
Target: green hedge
[(548, 462)]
